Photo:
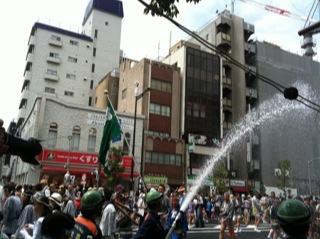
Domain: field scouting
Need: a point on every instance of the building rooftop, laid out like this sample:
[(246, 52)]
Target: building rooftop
[(60, 30), (109, 6)]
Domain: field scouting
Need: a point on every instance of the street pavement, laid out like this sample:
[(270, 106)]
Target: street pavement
[(212, 231)]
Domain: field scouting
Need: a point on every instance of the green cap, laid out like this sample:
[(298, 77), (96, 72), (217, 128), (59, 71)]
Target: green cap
[(292, 210), (91, 200), (153, 196)]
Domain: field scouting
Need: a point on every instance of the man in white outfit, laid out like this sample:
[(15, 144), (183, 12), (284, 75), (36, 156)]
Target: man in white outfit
[(108, 220)]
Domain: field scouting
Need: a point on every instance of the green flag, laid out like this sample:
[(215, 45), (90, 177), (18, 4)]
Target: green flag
[(111, 130)]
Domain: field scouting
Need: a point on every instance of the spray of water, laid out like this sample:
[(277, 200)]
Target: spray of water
[(268, 111)]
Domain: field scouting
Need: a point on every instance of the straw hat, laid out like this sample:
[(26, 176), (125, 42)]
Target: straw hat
[(42, 200), (56, 198)]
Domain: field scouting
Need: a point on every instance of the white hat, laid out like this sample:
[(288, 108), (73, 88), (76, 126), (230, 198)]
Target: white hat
[(56, 198)]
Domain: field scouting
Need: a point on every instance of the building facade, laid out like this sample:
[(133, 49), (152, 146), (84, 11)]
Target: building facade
[(231, 34), (201, 115), (291, 137), (69, 65), (70, 134), (159, 86), (66, 66)]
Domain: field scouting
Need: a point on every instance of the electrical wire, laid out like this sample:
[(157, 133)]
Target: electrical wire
[(233, 61), (315, 9), (305, 24)]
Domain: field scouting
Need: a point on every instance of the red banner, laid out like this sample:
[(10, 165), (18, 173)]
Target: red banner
[(74, 157), (60, 156)]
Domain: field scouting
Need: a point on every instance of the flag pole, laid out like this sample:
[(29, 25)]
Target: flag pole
[(129, 146)]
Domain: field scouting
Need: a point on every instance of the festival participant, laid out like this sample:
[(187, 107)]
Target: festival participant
[(42, 209), (91, 208), (294, 219), (181, 228), (226, 215), (151, 227)]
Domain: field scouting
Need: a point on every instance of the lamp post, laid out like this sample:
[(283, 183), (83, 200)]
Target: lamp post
[(309, 176), (137, 97), (67, 175)]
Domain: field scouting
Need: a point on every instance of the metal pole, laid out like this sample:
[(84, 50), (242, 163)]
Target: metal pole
[(134, 139), (310, 190)]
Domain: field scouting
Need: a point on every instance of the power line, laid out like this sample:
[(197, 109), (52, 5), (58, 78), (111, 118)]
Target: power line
[(233, 61), (315, 9), (309, 13)]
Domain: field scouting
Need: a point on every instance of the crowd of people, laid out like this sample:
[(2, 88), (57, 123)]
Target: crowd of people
[(69, 211)]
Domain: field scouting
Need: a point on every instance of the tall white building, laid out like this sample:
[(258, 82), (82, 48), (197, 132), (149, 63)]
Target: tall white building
[(66, 66), (69, 65)]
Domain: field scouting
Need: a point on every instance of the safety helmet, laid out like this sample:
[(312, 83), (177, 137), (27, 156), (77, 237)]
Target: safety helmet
[(294, 216), (91, 200), (153, 196)]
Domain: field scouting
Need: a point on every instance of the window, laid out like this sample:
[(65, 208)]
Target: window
[(178, 160), (166, 159), (68, 93), (49, 90), (148, 157), (75, 141), (172, 159), (74, 43), (92, 140), (72, 59), (52, 136), (92, 67), (124, 93), (202, 111), (90, 101), (207, 37), (71, 76), (91, 84), (95, 33), (165, 111), (196, 110), (52, 72), (54, 54), (161, 85), (160, 110), (162, 158), (55, 37), (94, 51)]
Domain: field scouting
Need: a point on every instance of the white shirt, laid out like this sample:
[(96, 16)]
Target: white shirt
[(108, 220)]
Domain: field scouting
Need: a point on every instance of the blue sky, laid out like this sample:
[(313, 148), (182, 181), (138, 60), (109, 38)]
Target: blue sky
[(141, 34)]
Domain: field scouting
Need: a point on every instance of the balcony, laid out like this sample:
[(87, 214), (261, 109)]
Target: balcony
[(226, 81), (25, 93), (23, 103), (25, 85), (55, 42), (223, 40), (51, 77), (227, 103), (248, 30), (54, 60), (250, 48), (227, 125), (30, 57), (251, 93), (27, 75), (223, 23), (32, 40)]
